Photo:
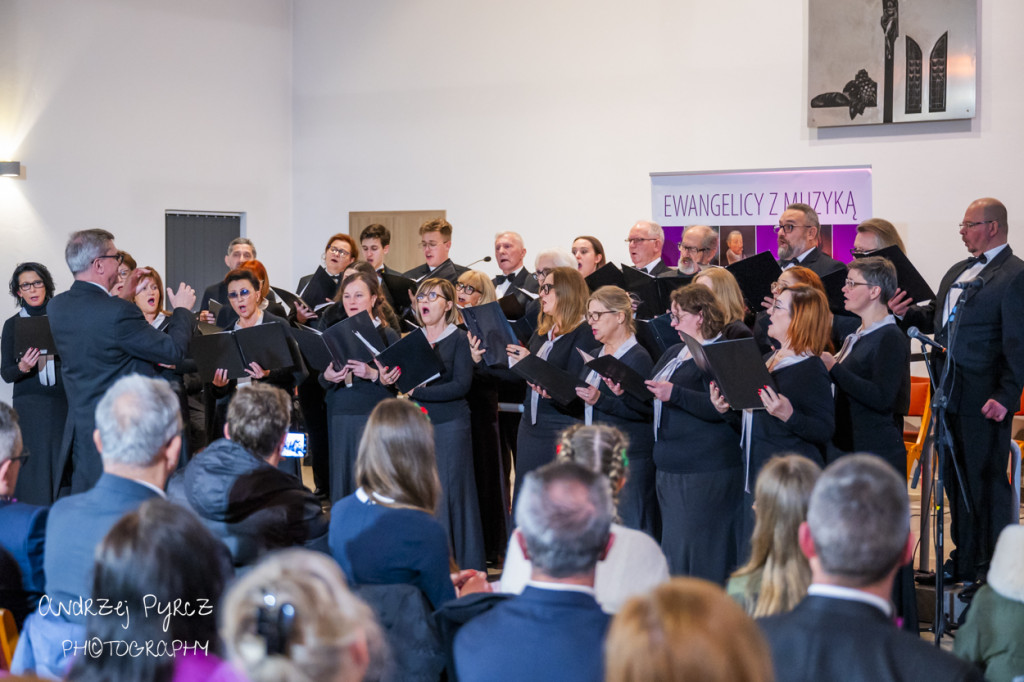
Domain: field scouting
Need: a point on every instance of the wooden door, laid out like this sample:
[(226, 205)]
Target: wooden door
[(405, 251)]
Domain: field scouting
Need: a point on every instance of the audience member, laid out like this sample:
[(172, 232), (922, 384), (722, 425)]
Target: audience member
[(436, 242), (993, 635), (236, 489), (138, 428), (22, 528), (167, 573), (776, 576), (38, 387), (856, 536), (101, 338), (293, 618), (555, 629), (646, 240), (634, 563), (685, 631)]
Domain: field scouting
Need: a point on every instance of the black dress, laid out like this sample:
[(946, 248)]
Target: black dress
[(638, 501), (445, 402), (699, 478), (488, 462), (42, 412), (872, 396), (348, 409), (535, 444)]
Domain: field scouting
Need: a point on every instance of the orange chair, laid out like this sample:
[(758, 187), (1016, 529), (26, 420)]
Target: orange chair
[(8, 638), (920, 406)]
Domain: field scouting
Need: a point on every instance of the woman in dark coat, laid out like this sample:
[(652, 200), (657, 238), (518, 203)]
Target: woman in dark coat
[(610, 316), (39, 397), (697, 452)]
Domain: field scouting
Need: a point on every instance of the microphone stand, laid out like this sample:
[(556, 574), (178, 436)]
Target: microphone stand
[(944, 451)]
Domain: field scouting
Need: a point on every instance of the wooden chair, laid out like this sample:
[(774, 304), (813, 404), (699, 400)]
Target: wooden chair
[(8, 638), (920, 406)]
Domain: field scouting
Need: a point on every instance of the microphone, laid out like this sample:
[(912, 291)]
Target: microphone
[(967, 285), (915, 333), (485, 259)]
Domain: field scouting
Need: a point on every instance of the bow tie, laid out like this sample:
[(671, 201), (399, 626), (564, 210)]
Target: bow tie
[(977, 259), (501, 279), (788, 261)]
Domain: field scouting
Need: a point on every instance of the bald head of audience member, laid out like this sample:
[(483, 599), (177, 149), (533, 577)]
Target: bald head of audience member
[(138, 429), (564, 514), (10, 450), (857, 532), (258, 419)]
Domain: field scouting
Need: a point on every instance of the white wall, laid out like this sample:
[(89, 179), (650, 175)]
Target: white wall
[(122, 109), (546, 116)]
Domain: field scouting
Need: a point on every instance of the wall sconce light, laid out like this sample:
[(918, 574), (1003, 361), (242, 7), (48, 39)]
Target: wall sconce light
[(10, 169)]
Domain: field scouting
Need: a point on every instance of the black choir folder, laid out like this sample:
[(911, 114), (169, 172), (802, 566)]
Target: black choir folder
[(736, 367), (606, 275), (313, 347), (907, 276), (559, 384), (319, 290), (399, 287), (264, 344), (755, 275), (340, 343), (417, 359), (488, 323), (33, 332), (611, 367)]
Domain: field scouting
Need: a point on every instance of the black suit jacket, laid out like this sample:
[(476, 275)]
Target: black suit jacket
[(836, 639), (218, 292), (820, 262), (100, 339), (446, 270), (22, 533), (660, 268), (989, 348), (524, 280)]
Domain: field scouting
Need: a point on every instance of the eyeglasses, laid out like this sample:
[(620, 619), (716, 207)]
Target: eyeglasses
[(117, 256), (339, 252), (678, 319), (777, 288), (429, 296), (541, 274), (851, 284), (241, 293), (429, 245), (692, 249), (547, 288), (860, 252), (123, 273), (636, 241), (595, 315), (469, 289), (787, 228), (968, 224), (777, 306), (29, 286)]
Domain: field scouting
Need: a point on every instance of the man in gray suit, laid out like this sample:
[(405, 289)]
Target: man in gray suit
[(856, 537)]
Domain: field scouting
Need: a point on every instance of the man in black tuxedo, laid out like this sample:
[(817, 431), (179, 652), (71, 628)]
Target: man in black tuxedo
[(799, 230), (101, 338), (646, 240), (436, 242), (240, 250), (856, 536), (22, 528), (375, 241), (987, 292), (509, 252)]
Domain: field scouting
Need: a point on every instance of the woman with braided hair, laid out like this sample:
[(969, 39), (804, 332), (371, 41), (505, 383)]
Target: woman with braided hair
[(634, 564)]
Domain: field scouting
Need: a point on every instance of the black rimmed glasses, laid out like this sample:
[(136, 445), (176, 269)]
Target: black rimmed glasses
[(467, 289), (595, 315), (693, 250), (339, 252), (787, 228), (29, 286), (547, 288), (116, 256), (541, 274)]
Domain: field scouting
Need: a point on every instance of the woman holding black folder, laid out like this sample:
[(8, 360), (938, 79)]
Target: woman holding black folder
[(244, 295), (561, 329), (610, 315), (445, 402), (355, 389), (39, 395), (696, 451)]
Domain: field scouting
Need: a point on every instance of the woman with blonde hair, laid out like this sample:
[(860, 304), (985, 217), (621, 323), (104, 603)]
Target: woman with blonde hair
[(634, 563), (727, 290), (292, 617), (776, 576), (386, 532), (474, 288), (686, 630), (561, 329), (610, 314)]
